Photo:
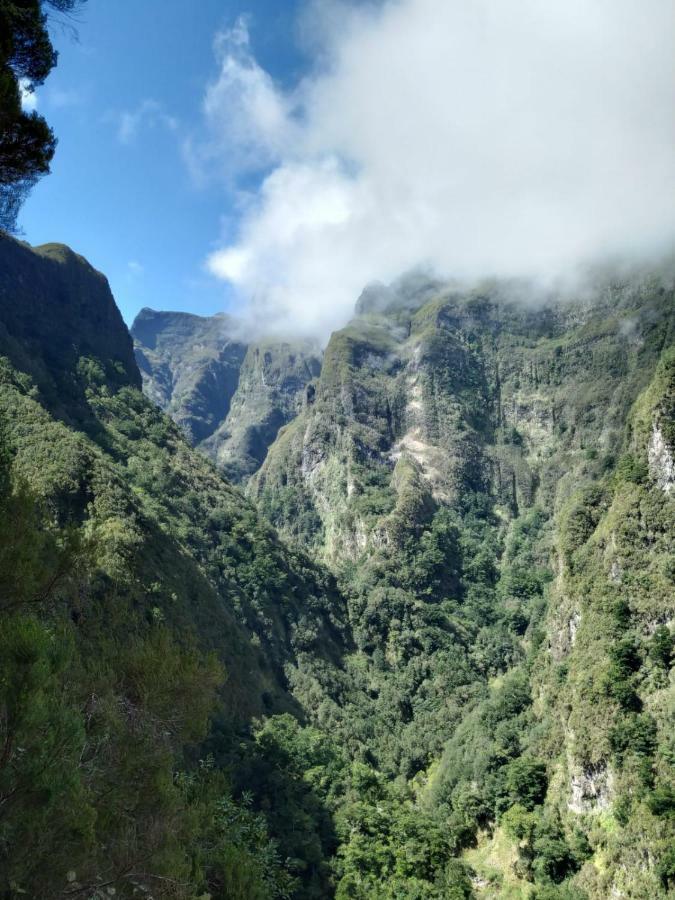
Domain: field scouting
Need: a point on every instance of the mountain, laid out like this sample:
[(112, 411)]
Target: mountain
[(142, 599), (190, 367), (489, 475), (229, 397), (425, 652), (57, 310), (494, 391)]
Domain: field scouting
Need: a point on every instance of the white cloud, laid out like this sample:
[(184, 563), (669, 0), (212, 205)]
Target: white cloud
[(249, 121), (258, 119), (28, 96), (516, 137)]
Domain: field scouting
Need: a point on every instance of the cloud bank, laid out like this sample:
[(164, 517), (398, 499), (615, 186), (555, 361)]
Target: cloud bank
[(475, 137)]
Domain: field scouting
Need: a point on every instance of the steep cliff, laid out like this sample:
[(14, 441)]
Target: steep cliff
[(496, 391), (56, 311), (230, 397), (490, 475)]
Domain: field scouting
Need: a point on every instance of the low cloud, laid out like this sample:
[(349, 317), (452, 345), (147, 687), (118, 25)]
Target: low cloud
[(516, 138)]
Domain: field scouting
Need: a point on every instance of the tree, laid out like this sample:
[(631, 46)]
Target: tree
[(27, 143), (526, 781)]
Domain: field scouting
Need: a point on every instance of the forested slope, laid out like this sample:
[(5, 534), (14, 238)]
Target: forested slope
[(142, 598), (451, 676), (490, 474)]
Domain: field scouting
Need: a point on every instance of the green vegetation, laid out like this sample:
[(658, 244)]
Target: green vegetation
[(27, 143), (146, 608), (451, 677), (477, 474)]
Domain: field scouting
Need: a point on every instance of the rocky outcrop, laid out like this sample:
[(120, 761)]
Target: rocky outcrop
[(229, 397), (190, 366), (273, 379), (591, 789), (59, 321), (661, 464)]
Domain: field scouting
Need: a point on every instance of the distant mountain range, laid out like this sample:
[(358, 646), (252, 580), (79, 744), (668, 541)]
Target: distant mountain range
[(230, 397)]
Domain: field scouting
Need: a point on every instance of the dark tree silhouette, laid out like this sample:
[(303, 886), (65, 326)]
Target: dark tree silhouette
[(27, 56)]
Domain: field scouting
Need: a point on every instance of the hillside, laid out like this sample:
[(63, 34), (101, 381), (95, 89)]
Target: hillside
[(462, 464), (143, 598), (489, 475), (428, 654)]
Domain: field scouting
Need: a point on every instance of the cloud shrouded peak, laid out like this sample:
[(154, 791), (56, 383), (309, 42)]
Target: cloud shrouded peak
[(475, 138)]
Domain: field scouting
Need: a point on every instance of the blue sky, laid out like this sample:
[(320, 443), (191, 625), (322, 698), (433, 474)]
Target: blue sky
[(272, 157), (121, 101)]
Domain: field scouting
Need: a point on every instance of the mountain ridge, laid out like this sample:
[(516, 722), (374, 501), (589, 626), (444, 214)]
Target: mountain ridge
[(196, 369)]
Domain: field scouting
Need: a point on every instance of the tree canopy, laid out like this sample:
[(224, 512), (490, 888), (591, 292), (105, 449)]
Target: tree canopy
[(27, 56)]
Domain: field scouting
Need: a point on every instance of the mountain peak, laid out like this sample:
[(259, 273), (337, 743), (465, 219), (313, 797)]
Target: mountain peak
[(56, 310)]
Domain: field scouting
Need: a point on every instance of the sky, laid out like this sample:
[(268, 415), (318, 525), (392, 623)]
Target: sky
[(272, 158), (124, 99)]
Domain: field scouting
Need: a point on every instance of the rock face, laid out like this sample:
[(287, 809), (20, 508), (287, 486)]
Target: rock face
[(229, 397), (273, 381), (483, 391), (661, 465), (57, 313), (591, 790), (190, 367)]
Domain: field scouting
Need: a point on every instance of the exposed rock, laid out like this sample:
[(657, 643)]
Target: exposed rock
[(190, 367), (564, 634), (229, 397), (274, 379), (661, 463), (591, 789)]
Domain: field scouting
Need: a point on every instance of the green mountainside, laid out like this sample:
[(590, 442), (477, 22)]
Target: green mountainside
[(493, 483), (230, 397), (142, 598), (442, 670)]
